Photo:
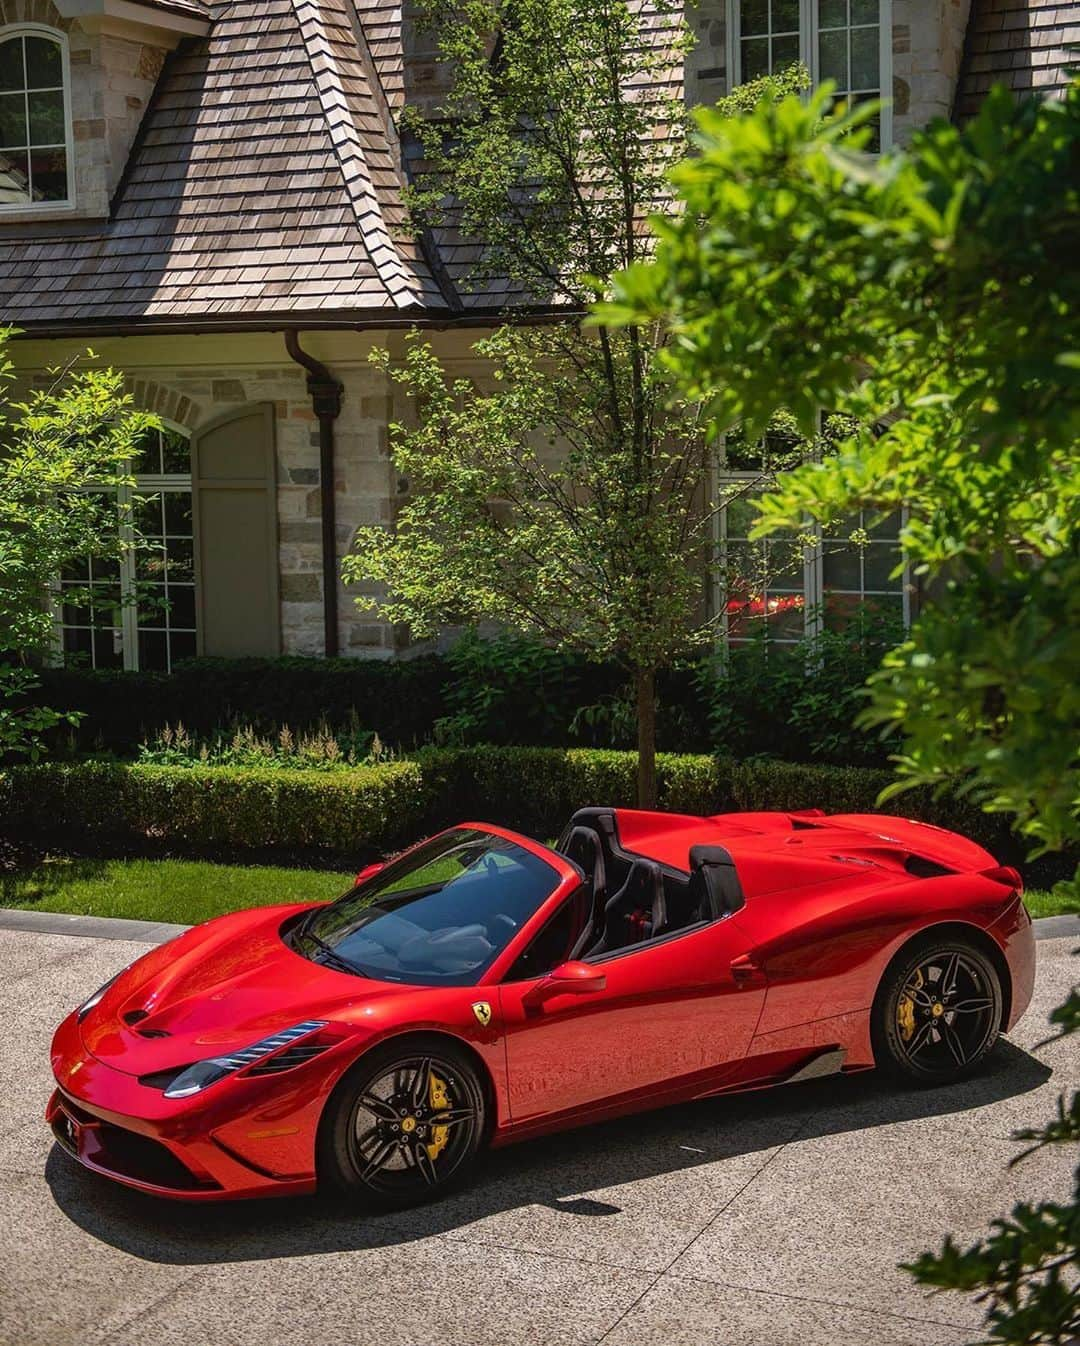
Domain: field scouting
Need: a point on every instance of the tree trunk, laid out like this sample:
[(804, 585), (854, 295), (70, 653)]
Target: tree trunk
[(646, 737)]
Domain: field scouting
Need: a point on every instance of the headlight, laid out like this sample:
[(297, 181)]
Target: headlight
[(88, 1005), (194, 1079)]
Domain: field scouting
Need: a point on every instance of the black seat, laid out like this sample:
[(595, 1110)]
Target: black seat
[(636, 912), (714, 882), (583, 847)]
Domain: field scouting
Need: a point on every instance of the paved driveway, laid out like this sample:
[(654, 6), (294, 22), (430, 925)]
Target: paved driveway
[(768, 1219)]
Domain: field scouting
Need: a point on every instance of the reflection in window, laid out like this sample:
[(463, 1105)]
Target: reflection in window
[(780, 587), (140, 612), (34, 150)]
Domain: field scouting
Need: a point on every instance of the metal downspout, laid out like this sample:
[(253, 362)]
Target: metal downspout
[(326, 393)]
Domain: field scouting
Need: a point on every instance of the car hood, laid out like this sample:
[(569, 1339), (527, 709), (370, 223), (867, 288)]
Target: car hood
[(219, 987)]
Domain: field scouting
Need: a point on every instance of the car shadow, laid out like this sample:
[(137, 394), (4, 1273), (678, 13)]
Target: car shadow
[(557, 1171)]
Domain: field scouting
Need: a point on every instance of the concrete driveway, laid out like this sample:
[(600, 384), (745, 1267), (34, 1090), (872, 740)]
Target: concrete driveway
[(768, 1219)]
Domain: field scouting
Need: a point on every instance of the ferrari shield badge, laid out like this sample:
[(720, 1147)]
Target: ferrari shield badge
[(482, 1010)]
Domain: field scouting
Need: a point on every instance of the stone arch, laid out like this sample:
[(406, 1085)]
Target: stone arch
[(33, 11), (166, 402)]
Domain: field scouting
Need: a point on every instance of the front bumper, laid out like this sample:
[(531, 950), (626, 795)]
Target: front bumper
[(229, 1145)]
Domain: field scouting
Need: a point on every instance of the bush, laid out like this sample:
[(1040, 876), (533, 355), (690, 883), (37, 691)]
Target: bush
[(795, 703), (110, 808)]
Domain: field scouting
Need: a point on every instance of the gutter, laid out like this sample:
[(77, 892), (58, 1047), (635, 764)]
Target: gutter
[(326, 393)]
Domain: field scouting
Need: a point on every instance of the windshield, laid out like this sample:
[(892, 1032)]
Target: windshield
[(439, 916)]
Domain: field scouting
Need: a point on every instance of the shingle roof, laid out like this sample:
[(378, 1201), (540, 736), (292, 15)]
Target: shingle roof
[(1023, 44), (264, 181)]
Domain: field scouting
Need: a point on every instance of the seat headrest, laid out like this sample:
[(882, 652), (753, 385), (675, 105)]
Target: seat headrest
[(717, 870)]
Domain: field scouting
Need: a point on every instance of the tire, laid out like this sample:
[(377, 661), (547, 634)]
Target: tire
[(937, 1014), (381, 1143)]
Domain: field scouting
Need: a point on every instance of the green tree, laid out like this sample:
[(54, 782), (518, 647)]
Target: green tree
[(64, 453), (565, 495), (933, 294)]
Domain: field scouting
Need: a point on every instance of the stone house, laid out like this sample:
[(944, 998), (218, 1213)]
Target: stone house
[(210, 194)]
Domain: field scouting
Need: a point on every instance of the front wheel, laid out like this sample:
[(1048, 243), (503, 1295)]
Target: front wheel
[(404, 1126), (938, 1012)]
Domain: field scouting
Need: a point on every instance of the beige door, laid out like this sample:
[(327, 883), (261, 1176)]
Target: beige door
[(235, 514)]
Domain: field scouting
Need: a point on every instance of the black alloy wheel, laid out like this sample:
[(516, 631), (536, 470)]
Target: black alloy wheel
[(938, 1012), (404, 1126)]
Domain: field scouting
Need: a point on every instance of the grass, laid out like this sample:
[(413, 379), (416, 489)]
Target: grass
[(182, 891), (189, 891)]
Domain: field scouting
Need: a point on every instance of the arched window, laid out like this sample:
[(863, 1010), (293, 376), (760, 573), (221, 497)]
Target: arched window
[(35, 119)]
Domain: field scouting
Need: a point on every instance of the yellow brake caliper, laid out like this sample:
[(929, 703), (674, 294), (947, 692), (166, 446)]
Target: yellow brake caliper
[(905, 1009), (439, 1097)]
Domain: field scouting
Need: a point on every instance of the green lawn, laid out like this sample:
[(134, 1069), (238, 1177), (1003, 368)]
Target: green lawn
[(189, 891), (183, 891)]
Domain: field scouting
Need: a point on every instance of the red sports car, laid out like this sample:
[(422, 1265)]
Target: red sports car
[(483, 988)]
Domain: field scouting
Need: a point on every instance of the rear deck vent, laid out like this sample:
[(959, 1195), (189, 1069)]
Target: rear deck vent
[(153, 1032), (921, 868), (135, 1016)]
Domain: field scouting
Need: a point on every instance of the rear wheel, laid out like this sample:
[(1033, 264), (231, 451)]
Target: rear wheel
[(404, 1126), (938, 1011)]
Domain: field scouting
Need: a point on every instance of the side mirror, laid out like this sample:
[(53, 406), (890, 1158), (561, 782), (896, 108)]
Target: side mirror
[(567, 979), (576, 978), (369, 871)]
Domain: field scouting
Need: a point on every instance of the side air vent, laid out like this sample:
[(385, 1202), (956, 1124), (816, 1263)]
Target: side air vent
[(921, 868), (286, 1060)]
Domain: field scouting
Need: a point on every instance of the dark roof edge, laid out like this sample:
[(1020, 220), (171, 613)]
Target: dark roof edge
[(381, 320)]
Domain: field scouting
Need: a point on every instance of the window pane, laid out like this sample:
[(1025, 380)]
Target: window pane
[(44, 69), (104, 568), (150, 563), (14, 177), (11, 64), (832, 13), (146, 512), (182, 645), (153, 650), (108, 649), (785, 16), (887, 528), (48, 175), (177, 512), (841, 569), (181, 562), (152, 604), (78, 647), (182, 606), (46, 118), (785, 51), (12, 120), (754, 18), (832, 57), (879, 560), (146, 458), (864, 58), (865, 11), (175, 453), (755, 58)]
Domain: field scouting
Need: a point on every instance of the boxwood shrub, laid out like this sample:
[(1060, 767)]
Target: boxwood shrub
[(347, 815)]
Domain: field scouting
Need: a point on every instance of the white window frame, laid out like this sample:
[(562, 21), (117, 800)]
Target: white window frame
[(58, 36), (809, 27), (126, 633), (813, 568)]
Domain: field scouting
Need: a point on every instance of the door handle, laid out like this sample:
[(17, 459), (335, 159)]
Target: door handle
[(745, 972)]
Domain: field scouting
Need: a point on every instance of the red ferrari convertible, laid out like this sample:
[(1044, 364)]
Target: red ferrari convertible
[(483, 988)]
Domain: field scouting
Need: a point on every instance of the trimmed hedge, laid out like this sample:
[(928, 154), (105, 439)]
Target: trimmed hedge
[(109, 807)]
